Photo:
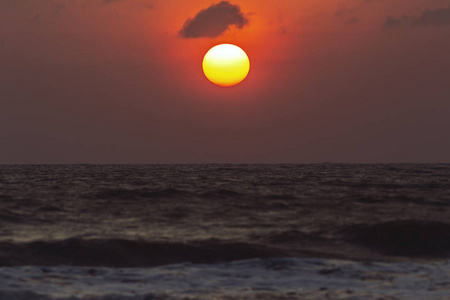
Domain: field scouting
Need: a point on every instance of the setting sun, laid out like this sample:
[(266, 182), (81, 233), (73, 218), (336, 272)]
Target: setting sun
[(226, 65)]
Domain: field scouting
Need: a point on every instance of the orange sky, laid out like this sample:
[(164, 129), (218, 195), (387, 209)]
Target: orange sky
[(336, 80)]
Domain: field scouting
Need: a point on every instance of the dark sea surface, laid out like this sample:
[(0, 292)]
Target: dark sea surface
[(320, 231)]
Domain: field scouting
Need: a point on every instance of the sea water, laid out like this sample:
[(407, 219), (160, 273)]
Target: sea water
[(320, 231)]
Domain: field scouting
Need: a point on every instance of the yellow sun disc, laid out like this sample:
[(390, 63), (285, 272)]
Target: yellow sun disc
[(226, 65)]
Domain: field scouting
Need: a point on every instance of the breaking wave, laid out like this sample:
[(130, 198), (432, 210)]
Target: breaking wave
[(127, 253)]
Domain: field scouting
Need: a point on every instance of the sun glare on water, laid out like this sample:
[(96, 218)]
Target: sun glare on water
[(226, 65)]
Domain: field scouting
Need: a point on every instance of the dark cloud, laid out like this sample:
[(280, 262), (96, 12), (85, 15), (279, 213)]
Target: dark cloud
[(213, 21), (340, 12), (51, 10), (393, 22), (353, 20), (439, 17), (142, 4)]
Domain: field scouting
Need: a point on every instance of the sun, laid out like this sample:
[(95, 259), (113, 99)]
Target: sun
[(226, 65)]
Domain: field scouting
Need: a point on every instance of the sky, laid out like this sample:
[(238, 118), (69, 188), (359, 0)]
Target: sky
[(120, 81)]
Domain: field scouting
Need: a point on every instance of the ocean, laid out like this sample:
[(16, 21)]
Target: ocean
[(218, 231)]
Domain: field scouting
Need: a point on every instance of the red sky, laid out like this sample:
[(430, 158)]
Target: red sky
[(114, 81)]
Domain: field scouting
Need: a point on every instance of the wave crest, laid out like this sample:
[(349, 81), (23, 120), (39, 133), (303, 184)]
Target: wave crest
[(127, 253)]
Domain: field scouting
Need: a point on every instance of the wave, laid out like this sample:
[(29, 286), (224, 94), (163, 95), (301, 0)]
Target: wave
[(410, 238), (401, 198), (220, 193), (10, 217), (127, 253), (131, 194), (291, 236), (255, 279), (118, 193)]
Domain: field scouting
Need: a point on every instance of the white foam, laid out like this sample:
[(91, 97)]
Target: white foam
[(314, 277)]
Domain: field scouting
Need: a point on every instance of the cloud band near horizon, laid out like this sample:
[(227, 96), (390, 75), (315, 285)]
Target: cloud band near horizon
[(437, 17)]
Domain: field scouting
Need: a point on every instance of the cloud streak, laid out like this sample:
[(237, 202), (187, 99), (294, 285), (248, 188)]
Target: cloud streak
[(437, 17), (214, 21)]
